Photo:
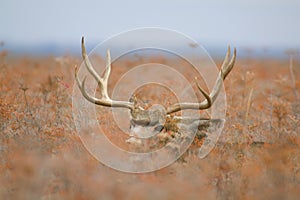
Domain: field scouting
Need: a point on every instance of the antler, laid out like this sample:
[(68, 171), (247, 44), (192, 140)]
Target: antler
[(105, 100), (209, 98), (102, 83)]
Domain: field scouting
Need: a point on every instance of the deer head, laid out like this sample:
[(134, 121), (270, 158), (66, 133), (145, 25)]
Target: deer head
[(158, 118)]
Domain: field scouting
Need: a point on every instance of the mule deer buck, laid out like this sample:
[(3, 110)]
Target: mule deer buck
[(159, 119)]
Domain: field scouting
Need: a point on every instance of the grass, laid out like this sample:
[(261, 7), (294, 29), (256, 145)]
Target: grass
[(42, 157)]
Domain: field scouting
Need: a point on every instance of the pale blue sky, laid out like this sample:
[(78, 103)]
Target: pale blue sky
[(243, 23)]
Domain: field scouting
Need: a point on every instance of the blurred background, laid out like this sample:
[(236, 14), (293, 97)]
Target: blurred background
[(257, 28), (41, 153)]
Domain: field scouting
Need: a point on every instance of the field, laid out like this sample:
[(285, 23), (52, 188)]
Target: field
[(42, 157)]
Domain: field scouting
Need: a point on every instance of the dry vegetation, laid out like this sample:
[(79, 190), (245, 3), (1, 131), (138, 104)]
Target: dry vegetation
[(41, 156)]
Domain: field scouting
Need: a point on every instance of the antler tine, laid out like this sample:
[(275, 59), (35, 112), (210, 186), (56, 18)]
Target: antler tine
[(209, 99), (104, 81), (87, 62), (108, 66), (225, 70), (226, 59)]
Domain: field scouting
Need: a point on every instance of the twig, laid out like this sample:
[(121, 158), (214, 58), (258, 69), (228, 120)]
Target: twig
[(248, 106), (293, 78)]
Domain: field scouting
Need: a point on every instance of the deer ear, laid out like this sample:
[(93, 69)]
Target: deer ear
[(133, 99), (159, 128)]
